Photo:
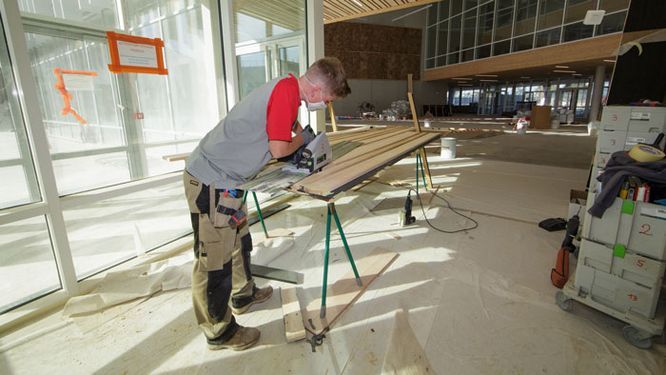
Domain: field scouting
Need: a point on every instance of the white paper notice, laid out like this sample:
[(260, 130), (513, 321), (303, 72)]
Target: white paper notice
[(134, 54), (78, 82)]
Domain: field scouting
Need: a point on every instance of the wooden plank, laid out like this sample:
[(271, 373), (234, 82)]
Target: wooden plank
[(410, 83), (359, 153), (412, 108), (351, 161), (379, 145), (368, 134), (331, 112), (176, 157), (277, 274), (327, 182), (291, 312), (381, 160), (344, 292), (417, 127)]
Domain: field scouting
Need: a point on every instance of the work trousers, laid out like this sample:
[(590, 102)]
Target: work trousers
[(221, 269)]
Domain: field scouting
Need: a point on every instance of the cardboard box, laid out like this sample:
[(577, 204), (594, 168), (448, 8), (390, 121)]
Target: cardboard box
[(540, 118)]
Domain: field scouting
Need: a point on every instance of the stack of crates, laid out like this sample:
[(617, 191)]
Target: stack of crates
[(623, 127), (622, 255)]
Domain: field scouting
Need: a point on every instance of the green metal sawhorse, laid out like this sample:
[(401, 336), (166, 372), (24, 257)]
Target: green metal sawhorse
[(259, 214), (330, 211), (419, 163)]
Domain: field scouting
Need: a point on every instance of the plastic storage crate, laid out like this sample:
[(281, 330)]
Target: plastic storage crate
[(639, 227), (616, 292), (630, 267)]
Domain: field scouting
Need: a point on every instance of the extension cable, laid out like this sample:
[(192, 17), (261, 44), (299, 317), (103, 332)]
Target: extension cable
[(448, 205)]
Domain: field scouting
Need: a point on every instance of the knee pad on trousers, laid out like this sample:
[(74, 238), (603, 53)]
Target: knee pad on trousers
[(246, 250), (218, 292)]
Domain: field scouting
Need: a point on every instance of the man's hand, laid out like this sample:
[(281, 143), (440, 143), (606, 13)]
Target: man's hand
[(280, 149), (308, 135)]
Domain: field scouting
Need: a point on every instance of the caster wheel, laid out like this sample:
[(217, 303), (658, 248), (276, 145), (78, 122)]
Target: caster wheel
[(565, 303), (637, 337)]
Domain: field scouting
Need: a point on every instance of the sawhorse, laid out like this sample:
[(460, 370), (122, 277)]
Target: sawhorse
[(259, 214), (331, 212)]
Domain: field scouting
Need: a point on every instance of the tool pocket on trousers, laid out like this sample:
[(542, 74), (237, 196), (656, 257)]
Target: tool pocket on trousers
[(216, 245), (192, 190), (225, 208)]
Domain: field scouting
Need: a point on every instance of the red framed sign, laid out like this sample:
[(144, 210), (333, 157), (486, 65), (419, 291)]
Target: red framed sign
[(135, 54)]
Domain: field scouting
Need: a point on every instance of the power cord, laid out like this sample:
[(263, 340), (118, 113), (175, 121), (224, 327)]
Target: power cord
[(448, 205)]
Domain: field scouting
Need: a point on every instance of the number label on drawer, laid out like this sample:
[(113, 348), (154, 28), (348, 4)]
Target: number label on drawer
[(645, 229), (641, 116)]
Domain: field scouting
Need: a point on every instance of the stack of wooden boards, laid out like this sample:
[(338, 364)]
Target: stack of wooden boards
[(376, 149)]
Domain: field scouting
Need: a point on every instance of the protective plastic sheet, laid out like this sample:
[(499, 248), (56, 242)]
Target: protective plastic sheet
[(477, 302)]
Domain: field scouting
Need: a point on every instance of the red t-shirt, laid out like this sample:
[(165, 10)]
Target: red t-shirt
[(282, 109)]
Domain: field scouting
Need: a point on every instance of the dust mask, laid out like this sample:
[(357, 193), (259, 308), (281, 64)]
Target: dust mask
[(314, 106)]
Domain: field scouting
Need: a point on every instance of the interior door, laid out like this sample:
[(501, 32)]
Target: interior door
[(566, 99)]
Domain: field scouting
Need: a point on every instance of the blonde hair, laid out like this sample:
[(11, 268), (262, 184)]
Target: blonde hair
[(330, 73)]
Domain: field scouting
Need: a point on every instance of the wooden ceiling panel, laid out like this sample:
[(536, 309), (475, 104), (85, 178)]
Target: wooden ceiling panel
[(343, 10), (291, 13)]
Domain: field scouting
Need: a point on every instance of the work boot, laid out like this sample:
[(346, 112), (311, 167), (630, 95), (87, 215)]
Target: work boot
[(243, 338), (259, 295)]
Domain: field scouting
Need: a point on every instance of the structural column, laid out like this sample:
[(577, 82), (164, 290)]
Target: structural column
[(597, 90), (32, 115), (315, 45), (229, 52)]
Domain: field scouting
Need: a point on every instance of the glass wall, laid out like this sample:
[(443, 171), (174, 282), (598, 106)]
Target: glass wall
[(17, 172), (169, 113), (459, 31), (25, 246), (506, 98), (270, 41), (126, 124)]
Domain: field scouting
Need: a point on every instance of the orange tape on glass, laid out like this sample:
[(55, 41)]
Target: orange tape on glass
[(137, 56), (66, 95)]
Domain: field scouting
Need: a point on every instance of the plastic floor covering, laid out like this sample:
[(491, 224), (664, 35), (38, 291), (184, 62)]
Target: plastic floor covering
[(475, 302)]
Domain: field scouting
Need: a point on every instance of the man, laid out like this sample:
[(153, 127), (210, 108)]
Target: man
[(256, 130)]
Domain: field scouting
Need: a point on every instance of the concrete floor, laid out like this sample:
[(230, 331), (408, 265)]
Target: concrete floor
[(473, 302), (555, 149)]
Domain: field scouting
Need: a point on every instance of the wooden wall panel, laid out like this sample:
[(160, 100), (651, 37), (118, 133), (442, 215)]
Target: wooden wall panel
[(374, 51)]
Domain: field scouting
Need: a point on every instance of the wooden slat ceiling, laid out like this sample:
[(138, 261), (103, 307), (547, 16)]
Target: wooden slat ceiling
[(342, 10), (290, 14)]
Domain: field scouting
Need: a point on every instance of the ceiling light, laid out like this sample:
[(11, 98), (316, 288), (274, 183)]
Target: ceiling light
[(462, 79), (576, 74), (594, 17), (561, 66), (487, 80), (358, 3), (486, 75), (609, 61), (564, 71)]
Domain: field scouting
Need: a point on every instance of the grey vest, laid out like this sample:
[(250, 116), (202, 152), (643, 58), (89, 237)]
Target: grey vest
[(237, 148)]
